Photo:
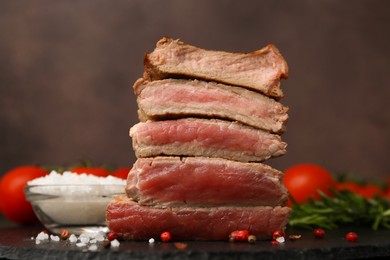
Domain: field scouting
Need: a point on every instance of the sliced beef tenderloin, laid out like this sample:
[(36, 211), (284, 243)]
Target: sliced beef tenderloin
[(202, 137), (206, 182), (260, 70), (175, 98), (132, 221)]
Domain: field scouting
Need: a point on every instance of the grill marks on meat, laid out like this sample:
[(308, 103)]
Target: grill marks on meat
[(175, 98), (260, 70), (130, 220), (205, 182), (209, 138)]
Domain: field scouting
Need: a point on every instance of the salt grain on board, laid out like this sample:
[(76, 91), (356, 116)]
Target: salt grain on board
[(84, 240), (89, 241), (115, 243), (93, 248), (80, 244), (55, 238), (280, 239), (42, 236), (72, 238)]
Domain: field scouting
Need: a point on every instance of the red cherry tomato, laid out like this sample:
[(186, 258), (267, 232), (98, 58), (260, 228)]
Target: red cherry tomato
[(350, 186), (387, 180), (304, 180), (121, 172), (387, 193), (367, 191), (14, 205), (97, 171)]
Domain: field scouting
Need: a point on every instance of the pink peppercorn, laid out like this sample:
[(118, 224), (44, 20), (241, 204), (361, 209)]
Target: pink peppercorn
[(165, 236), (239, 235), (319, 233), (111, 236), (352, 237)]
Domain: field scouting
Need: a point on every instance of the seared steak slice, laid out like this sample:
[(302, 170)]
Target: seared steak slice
[(135, 222), (260, 70), (172, 181), (202, 137), (175, 98)]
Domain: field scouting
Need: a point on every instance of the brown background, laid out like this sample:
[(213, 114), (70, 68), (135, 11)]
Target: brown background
[(67, 67)]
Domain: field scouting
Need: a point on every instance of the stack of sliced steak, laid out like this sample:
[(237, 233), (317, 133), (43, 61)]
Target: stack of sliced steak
[(208, 121)]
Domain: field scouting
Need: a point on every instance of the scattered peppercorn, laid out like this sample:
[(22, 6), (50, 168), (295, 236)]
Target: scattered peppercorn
[(319, 233), (106, 243), (64, 234), (180, 245), (278, 233), (111, 236), (239, 235), (165, 236), (251, 239), (294, 237), (352, 237)]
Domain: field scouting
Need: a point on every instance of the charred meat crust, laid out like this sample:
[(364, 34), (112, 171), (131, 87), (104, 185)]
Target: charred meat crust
[(158, 65)]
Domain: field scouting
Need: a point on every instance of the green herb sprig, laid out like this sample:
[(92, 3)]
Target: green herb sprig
[(343, 208)]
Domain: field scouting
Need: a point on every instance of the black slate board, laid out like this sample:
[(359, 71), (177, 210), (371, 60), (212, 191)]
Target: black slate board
[(16, 243)]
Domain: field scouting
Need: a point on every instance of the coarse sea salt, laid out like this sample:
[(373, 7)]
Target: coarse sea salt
[(88, 241), (280, 239), (55, 238), (93, 248), (84, 240), (68, 177), (80, 244), (68, 184), (100, 238), (115, 243), (72, 238), (42, 236), (74, 199)]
